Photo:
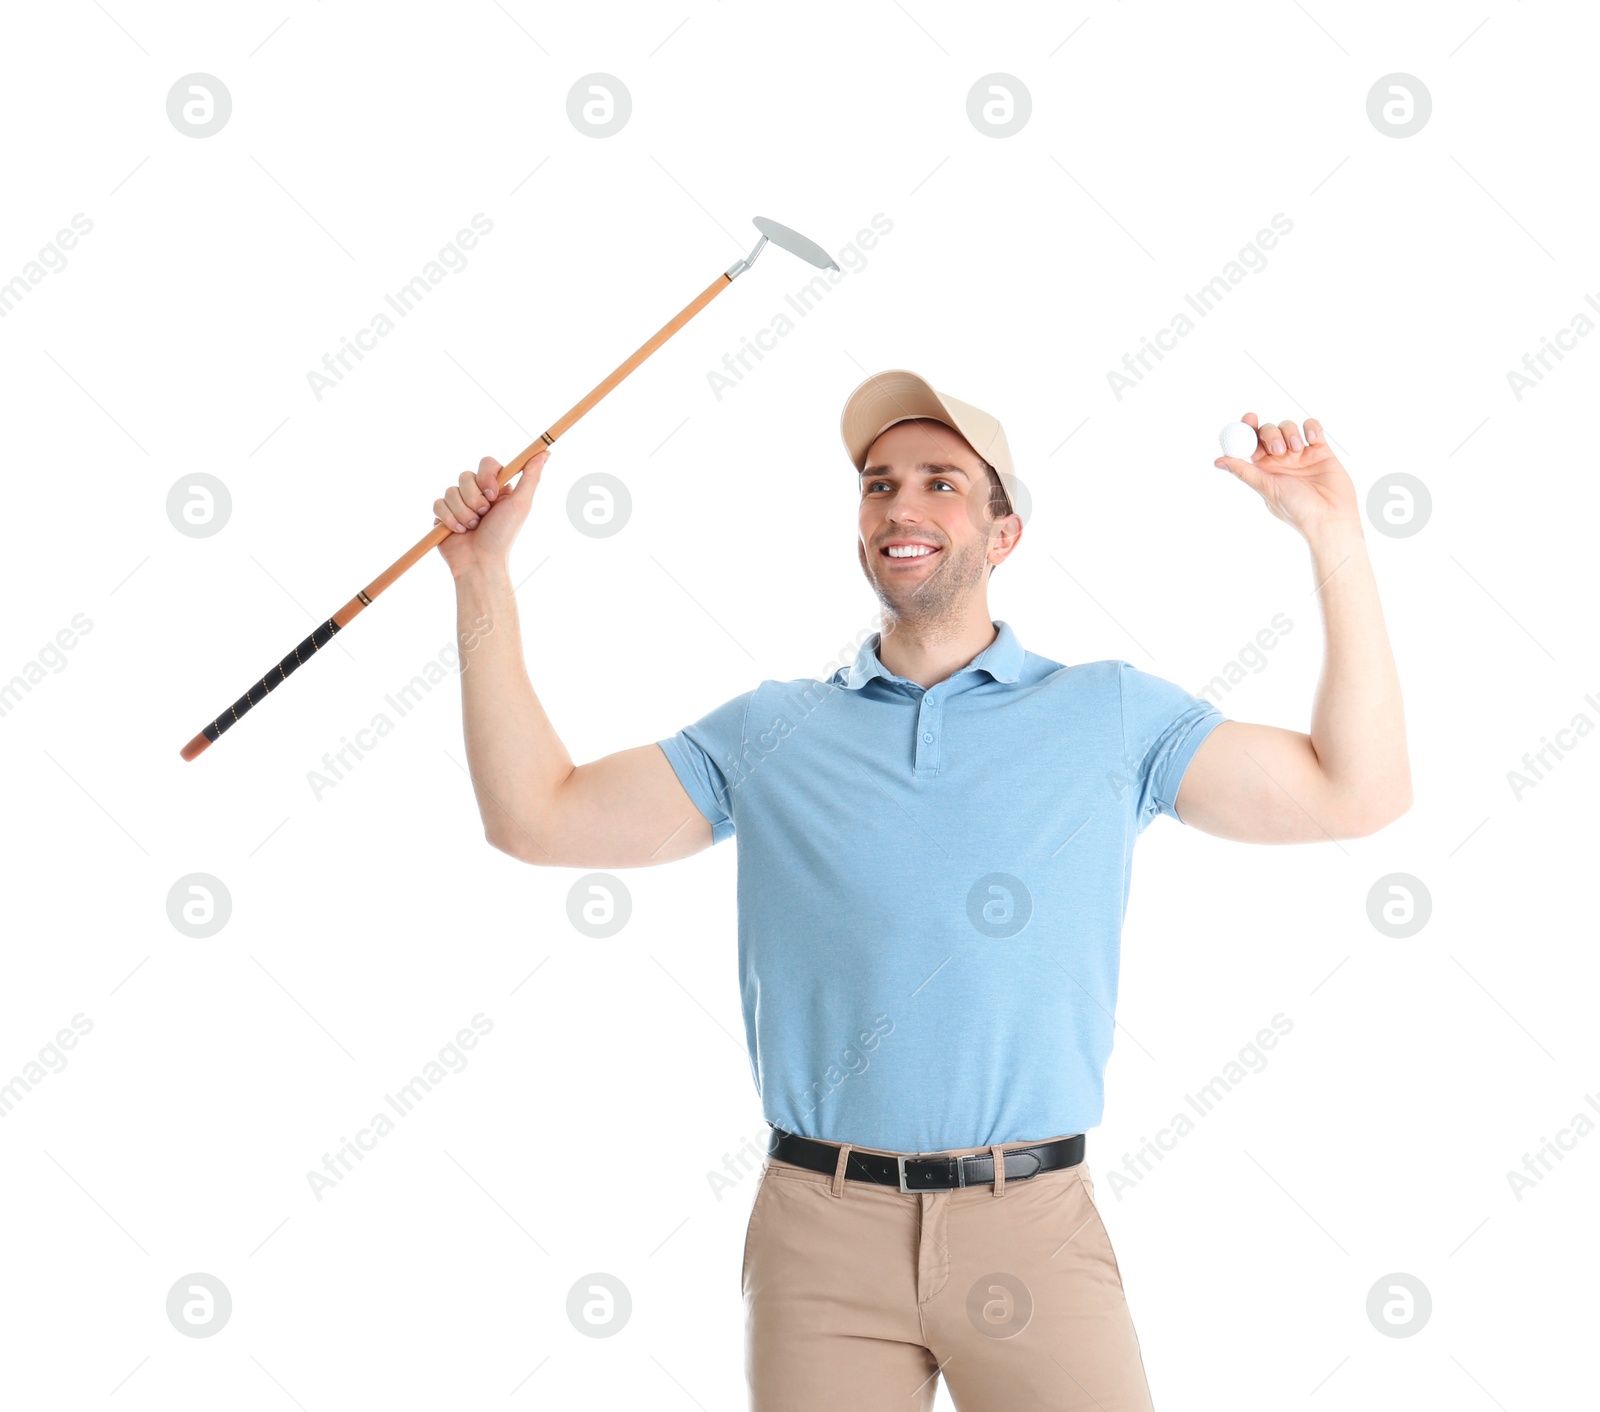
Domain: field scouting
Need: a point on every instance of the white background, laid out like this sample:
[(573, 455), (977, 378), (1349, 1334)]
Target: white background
[(371, 923)]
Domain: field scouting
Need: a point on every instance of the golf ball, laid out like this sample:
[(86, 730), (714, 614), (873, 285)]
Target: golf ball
[(1238, 440)]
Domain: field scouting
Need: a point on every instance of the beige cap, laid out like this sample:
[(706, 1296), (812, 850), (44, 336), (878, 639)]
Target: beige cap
[(897, 396)]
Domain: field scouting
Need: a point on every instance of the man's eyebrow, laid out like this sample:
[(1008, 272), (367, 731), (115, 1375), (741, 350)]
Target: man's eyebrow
[(922, 466)]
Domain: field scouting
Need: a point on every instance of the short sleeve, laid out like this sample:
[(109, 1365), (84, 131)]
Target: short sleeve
[(705, 756), (1162, 727)]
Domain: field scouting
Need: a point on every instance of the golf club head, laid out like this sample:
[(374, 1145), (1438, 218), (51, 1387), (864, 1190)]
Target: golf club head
[(795, 243)]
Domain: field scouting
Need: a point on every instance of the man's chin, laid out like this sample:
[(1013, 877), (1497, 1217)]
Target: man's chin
[(908, 599)]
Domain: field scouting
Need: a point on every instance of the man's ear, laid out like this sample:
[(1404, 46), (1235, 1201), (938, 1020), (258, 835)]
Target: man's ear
[(1001, 529)]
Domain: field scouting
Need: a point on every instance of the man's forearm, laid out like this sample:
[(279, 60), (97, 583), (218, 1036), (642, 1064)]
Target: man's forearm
[(1357, 722), (516, 759)]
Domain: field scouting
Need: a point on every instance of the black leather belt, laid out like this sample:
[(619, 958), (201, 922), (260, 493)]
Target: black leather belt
[(914, 1174)]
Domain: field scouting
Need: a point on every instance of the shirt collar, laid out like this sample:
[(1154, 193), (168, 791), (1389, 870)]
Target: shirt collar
[(1002, 659)]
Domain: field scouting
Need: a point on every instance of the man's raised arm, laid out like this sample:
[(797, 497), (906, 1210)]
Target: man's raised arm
[(1351, 776), (626, 810)]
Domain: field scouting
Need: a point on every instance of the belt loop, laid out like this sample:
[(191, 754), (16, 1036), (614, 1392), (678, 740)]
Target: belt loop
[(999, 1171), (838, 1171)]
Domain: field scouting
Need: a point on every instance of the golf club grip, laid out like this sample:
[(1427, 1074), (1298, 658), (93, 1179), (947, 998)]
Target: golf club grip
[(302, 653)]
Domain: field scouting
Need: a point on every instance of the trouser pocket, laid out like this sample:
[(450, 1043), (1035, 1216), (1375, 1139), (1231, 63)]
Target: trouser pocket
[(750, 1225)]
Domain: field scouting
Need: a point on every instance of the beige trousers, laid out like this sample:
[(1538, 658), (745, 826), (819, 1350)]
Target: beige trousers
[(859, 1296)]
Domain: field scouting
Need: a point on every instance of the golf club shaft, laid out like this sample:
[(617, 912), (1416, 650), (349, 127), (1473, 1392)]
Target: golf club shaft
[(305, 650)]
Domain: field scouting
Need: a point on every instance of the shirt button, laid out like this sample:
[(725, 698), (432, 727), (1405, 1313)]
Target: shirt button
[(927, 738)]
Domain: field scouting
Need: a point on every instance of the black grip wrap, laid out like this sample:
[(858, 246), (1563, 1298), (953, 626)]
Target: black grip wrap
[(302, 653)]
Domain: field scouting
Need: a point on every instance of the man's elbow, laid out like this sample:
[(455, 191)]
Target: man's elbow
[(511, 847), (1377, 810)]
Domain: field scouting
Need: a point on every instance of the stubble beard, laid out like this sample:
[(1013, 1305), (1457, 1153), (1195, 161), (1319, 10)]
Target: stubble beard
[(938, 597)]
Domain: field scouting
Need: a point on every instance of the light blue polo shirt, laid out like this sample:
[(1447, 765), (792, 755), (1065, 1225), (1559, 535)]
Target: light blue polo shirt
[(932, 883)]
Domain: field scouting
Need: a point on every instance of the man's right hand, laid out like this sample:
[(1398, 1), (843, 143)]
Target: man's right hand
[(483, 518)]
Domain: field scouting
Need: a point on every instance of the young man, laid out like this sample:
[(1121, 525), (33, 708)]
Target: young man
[(935, 850)]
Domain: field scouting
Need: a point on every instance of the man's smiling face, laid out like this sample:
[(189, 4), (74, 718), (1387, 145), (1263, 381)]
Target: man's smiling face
[(925, 534)]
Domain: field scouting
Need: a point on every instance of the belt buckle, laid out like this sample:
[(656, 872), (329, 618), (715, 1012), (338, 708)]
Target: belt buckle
[(961, 1175)]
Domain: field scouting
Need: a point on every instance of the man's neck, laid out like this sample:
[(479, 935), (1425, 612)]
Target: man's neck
[(927, 653)]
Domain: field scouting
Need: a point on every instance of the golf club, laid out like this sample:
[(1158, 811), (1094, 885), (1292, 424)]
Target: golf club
[(780, 235)]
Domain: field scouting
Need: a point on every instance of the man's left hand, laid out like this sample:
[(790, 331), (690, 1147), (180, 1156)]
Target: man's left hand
[(1297, 475)]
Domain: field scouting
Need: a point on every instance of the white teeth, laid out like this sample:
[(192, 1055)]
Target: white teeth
[(908, 551)]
